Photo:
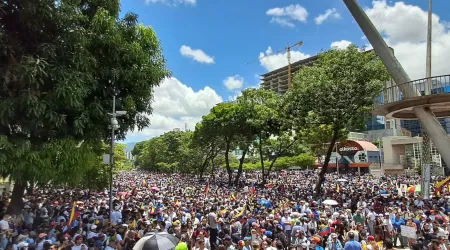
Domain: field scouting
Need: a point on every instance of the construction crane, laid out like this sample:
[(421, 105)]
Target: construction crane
[(288, 54)]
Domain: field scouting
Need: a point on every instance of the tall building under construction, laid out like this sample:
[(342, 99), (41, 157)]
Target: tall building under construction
[(277, 80)]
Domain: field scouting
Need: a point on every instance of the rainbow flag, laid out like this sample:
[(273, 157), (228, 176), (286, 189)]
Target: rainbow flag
[(325, 231)]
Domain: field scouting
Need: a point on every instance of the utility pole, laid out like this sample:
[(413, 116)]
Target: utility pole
[(426, 168), (111, 158), (114, 125)]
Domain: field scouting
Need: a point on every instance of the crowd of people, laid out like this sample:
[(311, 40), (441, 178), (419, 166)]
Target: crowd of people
[(353, 213)]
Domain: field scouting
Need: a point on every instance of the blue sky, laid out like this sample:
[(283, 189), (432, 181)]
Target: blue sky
[(231, 33)]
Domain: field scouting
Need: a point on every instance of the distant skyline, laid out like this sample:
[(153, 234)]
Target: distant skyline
[(215, 49)]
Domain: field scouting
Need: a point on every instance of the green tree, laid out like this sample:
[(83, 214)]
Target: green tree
[(170, 152), (208, 144), (269, 132), (225, 120), (62, 61), (337, 90), (120, 157)]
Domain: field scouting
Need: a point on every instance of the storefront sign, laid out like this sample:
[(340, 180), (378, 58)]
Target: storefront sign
[(349, 148), (344, 149)]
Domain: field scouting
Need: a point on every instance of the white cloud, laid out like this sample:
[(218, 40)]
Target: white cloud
[(172, 2), (288, 16), (196, 54), (271, 61), (329, 14), (343, 44), (175, 105), (233, 82), (404, 26)]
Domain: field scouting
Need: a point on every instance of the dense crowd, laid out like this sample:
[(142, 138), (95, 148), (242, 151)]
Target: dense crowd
[(353, 213)]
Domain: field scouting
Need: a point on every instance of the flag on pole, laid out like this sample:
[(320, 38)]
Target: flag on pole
[(233, 196), (253, 189), (206, 189), (72, 213)]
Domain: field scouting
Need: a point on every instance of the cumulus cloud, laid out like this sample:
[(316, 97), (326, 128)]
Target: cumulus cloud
[(176, 105), (172, 2), (233, 82), (404, 26), (343, 44), (271, 61), (329, 14), (196, 54), (288, 16)]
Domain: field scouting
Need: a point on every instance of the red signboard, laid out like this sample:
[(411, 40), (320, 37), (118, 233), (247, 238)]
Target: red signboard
[(349, 148)]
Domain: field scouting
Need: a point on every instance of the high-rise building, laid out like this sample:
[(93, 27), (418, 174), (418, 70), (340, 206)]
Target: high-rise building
[(277, 81)]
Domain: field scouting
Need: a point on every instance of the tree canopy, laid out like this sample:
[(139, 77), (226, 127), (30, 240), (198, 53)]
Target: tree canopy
[(337, 91), (61, 63)]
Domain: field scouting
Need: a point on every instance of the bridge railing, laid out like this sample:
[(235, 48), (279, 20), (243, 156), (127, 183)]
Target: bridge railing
[(392, 93)]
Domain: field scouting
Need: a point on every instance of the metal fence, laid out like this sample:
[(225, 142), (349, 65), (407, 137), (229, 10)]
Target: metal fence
[(392, 93)]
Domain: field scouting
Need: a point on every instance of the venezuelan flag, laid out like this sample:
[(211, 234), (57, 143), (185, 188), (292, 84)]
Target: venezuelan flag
[(72, 213), (338, 188), (325, 231), (253, 189)]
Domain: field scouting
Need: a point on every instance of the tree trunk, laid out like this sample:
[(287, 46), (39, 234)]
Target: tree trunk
[(227, 164), (204, 167), (212, 170), (318, 188), (261, 158), (241, 163), (16, 204), (271, 165)]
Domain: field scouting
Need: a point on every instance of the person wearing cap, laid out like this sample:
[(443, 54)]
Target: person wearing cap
[(334, 243), (240, 245), (113, 244), (78, 243), (315, 243), (301, 240), (228, 243), (93, 232)]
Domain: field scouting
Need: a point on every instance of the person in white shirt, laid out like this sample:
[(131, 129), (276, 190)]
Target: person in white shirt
[(79, 244), (93, 232), (116, 216), (371, 216), (419, 202), (287, 221)]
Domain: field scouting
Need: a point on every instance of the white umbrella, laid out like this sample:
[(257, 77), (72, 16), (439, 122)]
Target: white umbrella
[(157, 241), (330, 202), (342, 180)]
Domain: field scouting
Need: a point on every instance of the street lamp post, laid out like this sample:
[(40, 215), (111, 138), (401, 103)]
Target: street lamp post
[(114, 125)]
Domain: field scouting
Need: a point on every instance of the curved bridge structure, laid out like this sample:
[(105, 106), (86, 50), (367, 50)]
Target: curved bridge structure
[(407, 101), (393, 104)]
